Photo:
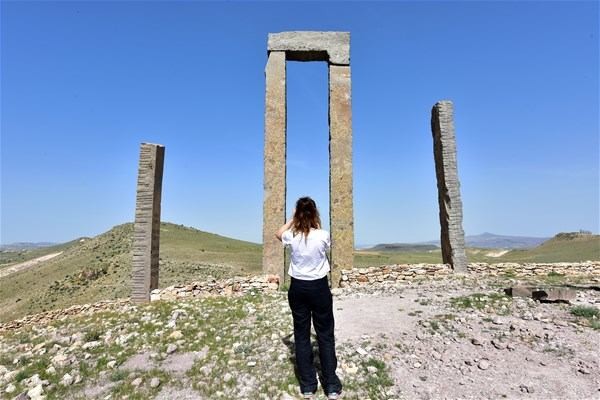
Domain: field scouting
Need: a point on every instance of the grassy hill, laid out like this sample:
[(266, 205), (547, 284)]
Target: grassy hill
[(563, 247), (93, 269), (100, 268)]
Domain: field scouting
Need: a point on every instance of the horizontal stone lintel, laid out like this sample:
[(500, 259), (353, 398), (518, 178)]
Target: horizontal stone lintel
[(332, 47)]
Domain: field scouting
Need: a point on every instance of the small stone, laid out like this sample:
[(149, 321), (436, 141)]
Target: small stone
[(498, 344), (584, 370), (51, 370), (483, 365), (35, 391), (10, 388), (361, 351), (436, 355), (251, 363), (91, 345), (227, 377), (67, 380), (526, 388), (136, 382), (171, 348), (371, 369), (176, 335), (155, 382), (352, 370), (477, 341), (111, 364)]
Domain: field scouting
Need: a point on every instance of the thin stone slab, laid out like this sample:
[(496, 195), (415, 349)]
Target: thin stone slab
[(146, 231), (543, 294), (340, 173), (274, 163), (451, 216), (333, 47)]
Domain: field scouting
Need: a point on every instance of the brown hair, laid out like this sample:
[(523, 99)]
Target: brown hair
[(306, 217)]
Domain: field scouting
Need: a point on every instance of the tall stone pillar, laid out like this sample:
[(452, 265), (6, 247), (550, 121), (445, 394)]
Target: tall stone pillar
[(444, 151), (146, 231), (340, 170), (274, 163)]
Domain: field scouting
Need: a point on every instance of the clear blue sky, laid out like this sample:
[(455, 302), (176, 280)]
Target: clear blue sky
[(84, 83)]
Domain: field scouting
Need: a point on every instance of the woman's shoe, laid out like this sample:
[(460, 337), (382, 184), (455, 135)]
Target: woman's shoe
[(333, 396), (308, 395)]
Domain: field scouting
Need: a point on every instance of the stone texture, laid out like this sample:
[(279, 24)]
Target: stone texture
[(444, 150), (146, 234), (274, 163), (333, 47), (340, 172)]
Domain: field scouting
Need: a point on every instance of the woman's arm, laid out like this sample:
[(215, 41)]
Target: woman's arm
[(285, 227)]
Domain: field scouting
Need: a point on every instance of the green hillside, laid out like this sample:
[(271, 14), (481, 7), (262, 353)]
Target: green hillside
[(564, 247), (100, 267)]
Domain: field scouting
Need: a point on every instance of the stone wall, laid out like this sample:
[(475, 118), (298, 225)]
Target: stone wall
[(230, 286), (407, 272)]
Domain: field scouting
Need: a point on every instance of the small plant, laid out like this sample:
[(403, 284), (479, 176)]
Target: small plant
[(118, 375), (379, 380), (478, 301), (586, 312), (92, 336), (587, 315)]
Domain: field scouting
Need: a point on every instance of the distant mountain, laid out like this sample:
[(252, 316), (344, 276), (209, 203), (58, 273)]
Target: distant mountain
[(492, 241), (25, 246), (403, 247), (485, 240)]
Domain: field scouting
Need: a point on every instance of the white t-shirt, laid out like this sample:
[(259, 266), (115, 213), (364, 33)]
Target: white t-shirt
[(309, 257)]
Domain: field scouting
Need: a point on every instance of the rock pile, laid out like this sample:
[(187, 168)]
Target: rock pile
[(230, 286), (408, 272)]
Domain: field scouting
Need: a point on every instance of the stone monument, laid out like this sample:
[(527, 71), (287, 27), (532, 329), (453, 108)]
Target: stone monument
[(146, 231), (333, 48), (446, 170)]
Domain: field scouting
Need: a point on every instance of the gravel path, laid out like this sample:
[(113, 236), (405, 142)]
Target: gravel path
[(27, 264)]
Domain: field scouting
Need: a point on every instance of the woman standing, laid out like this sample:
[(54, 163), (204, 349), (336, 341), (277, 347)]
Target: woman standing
[(310, 298)]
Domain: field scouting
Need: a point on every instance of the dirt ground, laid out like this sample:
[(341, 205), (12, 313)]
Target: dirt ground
[(441, 343)]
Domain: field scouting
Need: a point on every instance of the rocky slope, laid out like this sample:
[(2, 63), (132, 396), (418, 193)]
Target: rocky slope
[(446, 338)]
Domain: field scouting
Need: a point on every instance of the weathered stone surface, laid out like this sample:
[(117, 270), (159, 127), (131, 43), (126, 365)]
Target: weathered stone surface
[(333, 47), (444, 150), (146, 234), (340, 173), (274, 163)]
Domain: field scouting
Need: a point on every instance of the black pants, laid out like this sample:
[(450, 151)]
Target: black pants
[(313, 299)]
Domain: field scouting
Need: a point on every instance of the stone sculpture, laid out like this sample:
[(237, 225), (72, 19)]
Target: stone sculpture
[(146, 231), (444, 151), (333, 48)]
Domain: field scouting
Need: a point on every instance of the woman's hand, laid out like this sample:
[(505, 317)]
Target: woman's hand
[(285, 226)]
